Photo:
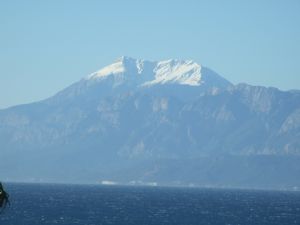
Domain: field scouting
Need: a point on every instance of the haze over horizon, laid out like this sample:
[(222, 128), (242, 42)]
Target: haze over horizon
[(46, 46), (119, 124)]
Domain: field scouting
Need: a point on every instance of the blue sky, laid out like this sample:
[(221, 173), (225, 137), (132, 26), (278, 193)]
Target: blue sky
[(47, 45)]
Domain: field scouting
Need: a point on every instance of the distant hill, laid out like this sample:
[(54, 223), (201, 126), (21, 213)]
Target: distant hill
[(171, 122)]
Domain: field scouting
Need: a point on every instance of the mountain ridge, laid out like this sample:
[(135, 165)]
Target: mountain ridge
[(96, 129), (184, 72)]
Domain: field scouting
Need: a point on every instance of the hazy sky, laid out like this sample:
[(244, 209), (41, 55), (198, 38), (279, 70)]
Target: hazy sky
[(47, 45)]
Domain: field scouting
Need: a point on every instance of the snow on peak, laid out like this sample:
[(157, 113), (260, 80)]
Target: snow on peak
[(147, 73), (115, 68), (176, 71)]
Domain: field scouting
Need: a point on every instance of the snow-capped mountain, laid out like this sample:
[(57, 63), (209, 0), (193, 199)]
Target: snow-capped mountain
[(146, 73), (174, 122), (130, 75)]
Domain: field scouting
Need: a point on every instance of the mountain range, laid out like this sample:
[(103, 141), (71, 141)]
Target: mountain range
[(172, 122)]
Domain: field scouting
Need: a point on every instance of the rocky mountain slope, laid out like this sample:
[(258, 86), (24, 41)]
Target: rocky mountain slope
[(171, 122)]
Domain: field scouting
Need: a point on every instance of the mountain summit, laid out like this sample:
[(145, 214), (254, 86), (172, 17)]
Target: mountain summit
[(148, 73), (171, 122), (184, 79)]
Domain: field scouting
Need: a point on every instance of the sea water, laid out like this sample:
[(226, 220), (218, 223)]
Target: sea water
[(33, 204)]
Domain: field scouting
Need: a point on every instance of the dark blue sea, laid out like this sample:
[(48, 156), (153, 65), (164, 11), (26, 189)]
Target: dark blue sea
[(87, 205)]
